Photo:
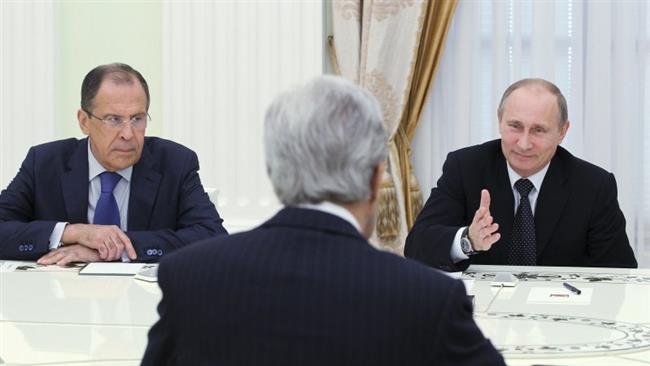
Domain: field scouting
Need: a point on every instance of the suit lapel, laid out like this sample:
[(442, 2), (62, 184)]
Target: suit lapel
[(550, 202), (502, 203), (145, 181), (74, 183)]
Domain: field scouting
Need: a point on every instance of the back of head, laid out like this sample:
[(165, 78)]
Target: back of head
[(323, 141)]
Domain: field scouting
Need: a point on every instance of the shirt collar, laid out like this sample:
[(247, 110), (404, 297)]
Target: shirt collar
[(536, 178), (95, 168), (333, 209)]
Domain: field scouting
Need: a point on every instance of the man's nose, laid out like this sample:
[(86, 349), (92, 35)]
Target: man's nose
[(524, 142), (126, 132)]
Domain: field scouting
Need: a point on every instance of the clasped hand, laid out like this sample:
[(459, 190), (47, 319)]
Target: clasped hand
[(90, 243)]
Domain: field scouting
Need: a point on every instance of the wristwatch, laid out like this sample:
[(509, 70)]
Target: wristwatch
[(466, 244)]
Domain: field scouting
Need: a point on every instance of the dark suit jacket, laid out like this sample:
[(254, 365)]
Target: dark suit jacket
[(306, 288), (168, 207), (577, 218)]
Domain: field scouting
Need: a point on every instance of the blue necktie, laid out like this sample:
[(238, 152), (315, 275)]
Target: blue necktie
[(523, 250), (106, 210)]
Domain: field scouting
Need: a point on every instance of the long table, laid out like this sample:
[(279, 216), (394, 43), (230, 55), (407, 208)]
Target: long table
[(55, 316), (540, 322)]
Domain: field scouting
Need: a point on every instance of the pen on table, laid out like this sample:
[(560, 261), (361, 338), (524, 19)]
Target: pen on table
[(572, 289)]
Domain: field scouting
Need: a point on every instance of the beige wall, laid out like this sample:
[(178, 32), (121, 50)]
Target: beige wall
[(90, 33), (212, 68)]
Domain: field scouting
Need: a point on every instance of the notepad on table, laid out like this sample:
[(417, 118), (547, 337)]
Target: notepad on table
[(111, 269)]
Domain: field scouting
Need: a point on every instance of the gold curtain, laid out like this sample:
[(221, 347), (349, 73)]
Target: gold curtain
[(392, 48), (437, 19)]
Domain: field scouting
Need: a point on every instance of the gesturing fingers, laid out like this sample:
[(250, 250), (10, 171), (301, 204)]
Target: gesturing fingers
[(486, 231), (490, 239), (479, 215), (485, 199), (483, 229)]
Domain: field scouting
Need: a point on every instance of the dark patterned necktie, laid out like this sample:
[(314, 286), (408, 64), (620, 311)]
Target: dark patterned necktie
[(523, 250), (106, 210)]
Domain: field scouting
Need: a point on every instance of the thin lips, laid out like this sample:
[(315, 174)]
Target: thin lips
[(523, 155)]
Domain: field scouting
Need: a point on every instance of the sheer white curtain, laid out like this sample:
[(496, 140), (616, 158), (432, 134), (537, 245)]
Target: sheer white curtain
[(223, 63), (597, 53), (27, 63)]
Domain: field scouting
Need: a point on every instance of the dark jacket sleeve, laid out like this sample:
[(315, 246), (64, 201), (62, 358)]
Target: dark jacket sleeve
[(431, 237), (462, 342), (607, 242), (22, 237), (161, 345), (196, 218)]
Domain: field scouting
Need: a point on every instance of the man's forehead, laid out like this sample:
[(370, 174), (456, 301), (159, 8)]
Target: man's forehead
[(112, 83), (119, 77), (535, 98), (532, 90)]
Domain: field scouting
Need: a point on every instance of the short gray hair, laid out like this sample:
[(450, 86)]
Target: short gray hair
[(563, 116), (323, 141)]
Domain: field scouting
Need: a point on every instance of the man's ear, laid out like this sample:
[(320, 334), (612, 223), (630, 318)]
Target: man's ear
[(563, 130), (84, 120), (375, 182)]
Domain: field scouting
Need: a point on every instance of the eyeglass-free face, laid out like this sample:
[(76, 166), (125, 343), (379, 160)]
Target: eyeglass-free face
[(530, 129), (115, 143)]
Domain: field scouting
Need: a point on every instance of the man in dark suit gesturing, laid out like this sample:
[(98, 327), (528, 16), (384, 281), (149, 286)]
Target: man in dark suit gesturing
[(522, 200), (116, 195), (306, 287)]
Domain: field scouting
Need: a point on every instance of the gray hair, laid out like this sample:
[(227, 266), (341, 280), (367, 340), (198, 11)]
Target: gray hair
[(118, 73), (323, 141), (544, 84)]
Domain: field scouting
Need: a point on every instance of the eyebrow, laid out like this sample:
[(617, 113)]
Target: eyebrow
[(131, 116), (535, 125)]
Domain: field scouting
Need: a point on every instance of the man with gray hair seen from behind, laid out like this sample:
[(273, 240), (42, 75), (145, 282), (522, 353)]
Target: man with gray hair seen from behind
[(306, 287)]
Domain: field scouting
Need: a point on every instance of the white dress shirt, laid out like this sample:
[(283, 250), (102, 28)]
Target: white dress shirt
[(333, 209)]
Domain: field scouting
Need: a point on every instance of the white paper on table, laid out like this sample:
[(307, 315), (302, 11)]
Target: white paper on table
[(559, 295), (9, 266), (111, 268), (25, 266)]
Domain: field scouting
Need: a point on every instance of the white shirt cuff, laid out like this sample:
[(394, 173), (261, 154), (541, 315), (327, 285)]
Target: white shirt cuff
[(125, 257), (57, 234), (457, 254)]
